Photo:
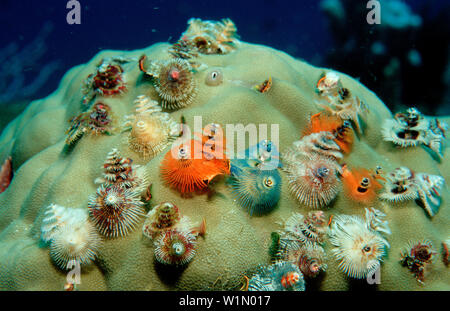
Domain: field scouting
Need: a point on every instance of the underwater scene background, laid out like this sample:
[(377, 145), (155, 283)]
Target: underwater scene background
[(350, 191)]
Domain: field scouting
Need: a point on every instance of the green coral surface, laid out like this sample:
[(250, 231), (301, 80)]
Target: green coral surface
[(46, 172)]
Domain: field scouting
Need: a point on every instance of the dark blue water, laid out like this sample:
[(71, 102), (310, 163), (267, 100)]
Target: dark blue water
[(114, 24)]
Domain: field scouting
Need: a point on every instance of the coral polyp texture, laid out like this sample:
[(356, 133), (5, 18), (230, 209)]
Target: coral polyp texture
[(102, 172)]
